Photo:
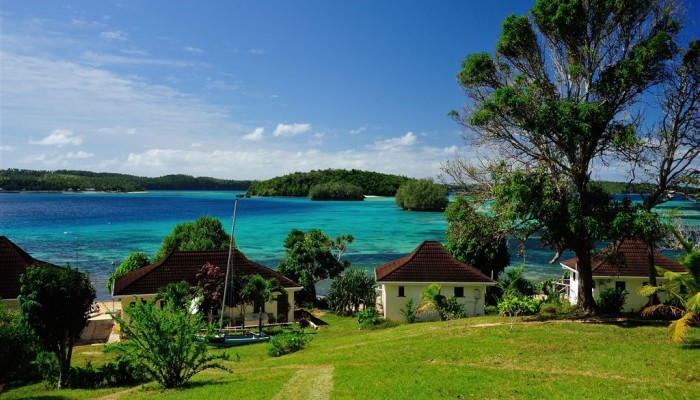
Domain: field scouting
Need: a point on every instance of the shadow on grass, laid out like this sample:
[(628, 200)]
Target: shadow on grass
[(46, 397), (693, 344)]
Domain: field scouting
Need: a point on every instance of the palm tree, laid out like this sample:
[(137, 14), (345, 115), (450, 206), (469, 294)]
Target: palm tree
[(432, 299), (684, 290), (261, 291)]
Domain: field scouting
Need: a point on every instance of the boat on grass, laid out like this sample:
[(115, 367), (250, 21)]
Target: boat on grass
[(222, 340)]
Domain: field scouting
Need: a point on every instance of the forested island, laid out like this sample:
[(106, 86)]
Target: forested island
[(66, 180), (329, 184)]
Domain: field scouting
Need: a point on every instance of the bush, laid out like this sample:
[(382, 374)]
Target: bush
[(47, 364), (491, 310), (610, 301), (382, 323), (17, 347), (369, 315), (409, 311), (85, 377), (451, 309), (286, 343), (124, 372)]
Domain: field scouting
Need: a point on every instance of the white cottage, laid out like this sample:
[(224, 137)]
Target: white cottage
[(145, 282), (629, 275), (408, 276)]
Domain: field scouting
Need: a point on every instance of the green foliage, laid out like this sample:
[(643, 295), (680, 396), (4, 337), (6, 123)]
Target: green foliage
[(22, 179), (50, 371), (165, 341), (421, 195), (261, 291), (513, 284), (336, 191), (350, 290), (452, 309), (135, 260), (308, 259), (54, 303), (610, 301), (475, 238), (368, 316), (287, 343), (513, 306), (299, 184), (206, 233), (210, 286), (178, 293), (409, 311), (86, 377), (123, 371), (17, 346)]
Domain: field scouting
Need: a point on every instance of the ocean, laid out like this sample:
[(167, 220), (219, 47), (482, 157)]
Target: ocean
[(93, 231)]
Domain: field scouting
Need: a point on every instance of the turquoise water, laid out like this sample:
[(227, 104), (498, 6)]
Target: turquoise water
[(92, 230)]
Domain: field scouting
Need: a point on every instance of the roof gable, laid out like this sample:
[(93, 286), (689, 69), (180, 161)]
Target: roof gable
[(184, 266), (13, 263), (635, 256), (429, 262)]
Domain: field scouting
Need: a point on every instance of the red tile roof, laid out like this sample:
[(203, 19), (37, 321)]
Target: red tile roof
[(13, 262), (429, 262), (184, 266), (634, 254)]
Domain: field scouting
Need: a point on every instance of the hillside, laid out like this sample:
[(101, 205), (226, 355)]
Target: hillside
[(460, 359), (299, 184), (23, 179)]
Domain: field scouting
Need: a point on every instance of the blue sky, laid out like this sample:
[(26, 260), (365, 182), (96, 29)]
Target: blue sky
[(238, 89)]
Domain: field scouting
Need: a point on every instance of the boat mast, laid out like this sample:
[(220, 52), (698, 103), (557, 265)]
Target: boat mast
[(228, 263)]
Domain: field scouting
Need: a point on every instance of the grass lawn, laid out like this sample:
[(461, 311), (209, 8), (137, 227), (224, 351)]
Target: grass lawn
[(469, 358)]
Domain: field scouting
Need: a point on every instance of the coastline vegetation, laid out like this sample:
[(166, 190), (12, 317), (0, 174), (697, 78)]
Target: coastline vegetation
[(422, 195), (61, 180), (300, 184)]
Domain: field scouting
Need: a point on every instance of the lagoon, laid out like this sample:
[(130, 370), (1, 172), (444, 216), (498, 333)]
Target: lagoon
[(94, 230)]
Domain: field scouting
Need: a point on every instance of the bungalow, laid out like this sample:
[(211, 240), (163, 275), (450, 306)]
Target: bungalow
[(145, 282), (13, 263), (629, 275), (405, 278)]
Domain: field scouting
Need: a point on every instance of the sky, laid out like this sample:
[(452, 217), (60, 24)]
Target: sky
[(239, 89)]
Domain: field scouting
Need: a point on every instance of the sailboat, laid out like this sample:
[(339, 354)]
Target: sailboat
[(221, 339)]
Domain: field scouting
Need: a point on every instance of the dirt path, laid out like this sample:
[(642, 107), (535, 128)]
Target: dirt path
[(313, 382)]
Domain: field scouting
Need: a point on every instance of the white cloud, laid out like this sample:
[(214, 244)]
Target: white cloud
[(59, 138), (117, 130), (291, 129), (7, 148), (358, 130), (80, 154), (113, 35), (409, 139), (257, 51), (196, 144), (106, 59), (254, 136), (193, 50)]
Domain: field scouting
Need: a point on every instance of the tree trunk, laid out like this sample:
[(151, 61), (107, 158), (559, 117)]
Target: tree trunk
[(585, 281), (651, 264)]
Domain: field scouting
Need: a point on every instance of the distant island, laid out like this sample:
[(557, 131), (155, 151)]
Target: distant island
[(330, 184), (84, 181)]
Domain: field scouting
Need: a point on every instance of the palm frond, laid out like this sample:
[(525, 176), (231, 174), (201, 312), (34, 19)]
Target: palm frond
[(678, 330), (648, 290)]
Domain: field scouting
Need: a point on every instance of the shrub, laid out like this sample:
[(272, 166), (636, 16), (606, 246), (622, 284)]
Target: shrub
[(368, 315), (85, 377), (409, 311), (286, 343), (451, 309), (47, 364), (17, 347), (610, 301), (382, 323), (512, 306), (491, 310), (124, 372)]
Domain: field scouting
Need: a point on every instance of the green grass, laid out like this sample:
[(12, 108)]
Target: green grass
[(470, 358)]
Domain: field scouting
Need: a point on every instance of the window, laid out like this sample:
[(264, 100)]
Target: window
[(620, 285), (401, 292), (459, 292), (573, 275)]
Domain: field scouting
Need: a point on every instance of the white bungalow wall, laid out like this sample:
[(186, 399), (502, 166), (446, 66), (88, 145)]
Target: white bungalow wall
[(634, 302), (392, 303)]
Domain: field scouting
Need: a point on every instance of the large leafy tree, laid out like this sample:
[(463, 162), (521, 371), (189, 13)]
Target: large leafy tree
[(421, 195), (557, 97), (476, 238), (210, 286), (135, 260), (308, 259), (206, 233), (350, 290), (17, 346), (55, 303)]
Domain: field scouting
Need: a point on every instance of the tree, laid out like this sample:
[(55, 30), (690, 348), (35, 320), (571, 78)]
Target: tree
[(135, 260), (261, 291), (55, 303), (308, 259), (206, 233), (667, 155), (164, 340), (475, 238), (210, 286), (350, 290), (421, 195), (178, 293), (557, 97)]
